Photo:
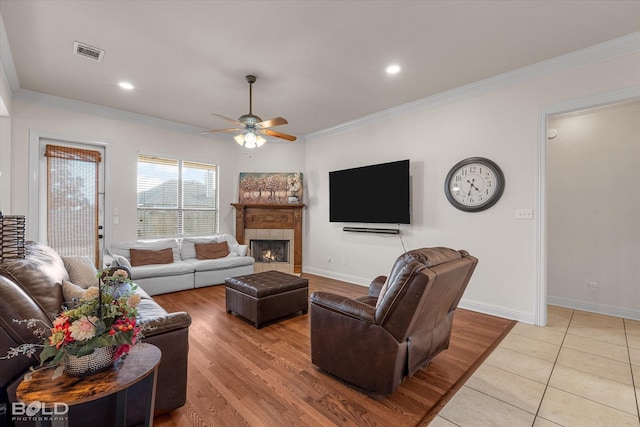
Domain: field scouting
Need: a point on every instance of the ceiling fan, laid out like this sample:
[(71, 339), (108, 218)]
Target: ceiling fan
[(252, 126)]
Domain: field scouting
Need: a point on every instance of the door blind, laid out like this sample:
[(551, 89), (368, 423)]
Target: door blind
[(72, 201)]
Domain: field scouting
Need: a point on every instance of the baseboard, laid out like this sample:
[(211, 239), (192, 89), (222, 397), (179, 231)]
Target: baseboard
[(464, 303), (337, 276), (498, 311), (608, 310)]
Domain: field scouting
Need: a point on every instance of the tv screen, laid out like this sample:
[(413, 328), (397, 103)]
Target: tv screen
[(371, 194)]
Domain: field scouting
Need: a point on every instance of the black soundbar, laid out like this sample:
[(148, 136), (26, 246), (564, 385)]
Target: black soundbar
[(372, 230)]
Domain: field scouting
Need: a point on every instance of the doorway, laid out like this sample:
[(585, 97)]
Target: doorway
[(589, 237), (69, 184)]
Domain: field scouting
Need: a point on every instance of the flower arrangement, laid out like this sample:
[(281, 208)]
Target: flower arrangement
[(104, 316)]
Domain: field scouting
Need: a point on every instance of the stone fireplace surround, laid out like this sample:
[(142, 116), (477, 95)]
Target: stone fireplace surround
[(272, 222)]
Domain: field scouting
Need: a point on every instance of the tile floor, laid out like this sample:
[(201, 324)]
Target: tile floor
[(582, 369)]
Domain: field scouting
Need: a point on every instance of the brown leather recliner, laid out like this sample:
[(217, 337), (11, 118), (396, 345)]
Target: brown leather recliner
[(376, 341)]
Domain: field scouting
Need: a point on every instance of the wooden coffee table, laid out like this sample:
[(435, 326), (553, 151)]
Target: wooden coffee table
[(141, 364)]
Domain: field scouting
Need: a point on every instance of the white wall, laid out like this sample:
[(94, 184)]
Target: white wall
[(5, 143), (498, 119), (593, 207), (125, 136), (501, 122)]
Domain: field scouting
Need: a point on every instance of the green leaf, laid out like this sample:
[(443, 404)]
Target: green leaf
[(47, 353)]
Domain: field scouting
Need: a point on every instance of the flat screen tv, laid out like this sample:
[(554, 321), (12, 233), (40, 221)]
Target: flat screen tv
[(371, 194)]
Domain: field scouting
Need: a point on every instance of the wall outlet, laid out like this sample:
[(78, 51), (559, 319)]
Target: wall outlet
[(329, 260), (344, 261), (593, 286)]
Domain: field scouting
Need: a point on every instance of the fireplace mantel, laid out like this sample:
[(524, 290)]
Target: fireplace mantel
[(276, 216)]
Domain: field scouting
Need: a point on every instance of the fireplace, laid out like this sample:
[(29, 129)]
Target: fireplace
[(270, 250), (272, 222)]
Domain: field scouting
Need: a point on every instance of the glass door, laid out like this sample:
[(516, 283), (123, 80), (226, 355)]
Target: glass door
[(74, 194)]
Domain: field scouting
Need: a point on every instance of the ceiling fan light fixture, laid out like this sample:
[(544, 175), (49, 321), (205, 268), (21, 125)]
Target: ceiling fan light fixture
[(249, 139), (251, 125)]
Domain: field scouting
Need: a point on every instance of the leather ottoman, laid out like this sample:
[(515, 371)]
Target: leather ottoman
[(263, 297)]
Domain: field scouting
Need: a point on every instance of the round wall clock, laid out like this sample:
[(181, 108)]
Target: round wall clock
[(474, 184)]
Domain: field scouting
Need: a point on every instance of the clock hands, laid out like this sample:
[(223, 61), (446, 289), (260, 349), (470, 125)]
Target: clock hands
[(472, 186)]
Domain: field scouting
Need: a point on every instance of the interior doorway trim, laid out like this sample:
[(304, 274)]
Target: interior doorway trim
[(33, 228), (594, 101)]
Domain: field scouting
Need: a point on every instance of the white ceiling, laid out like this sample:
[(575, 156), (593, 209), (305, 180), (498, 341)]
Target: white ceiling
[(318, 63)]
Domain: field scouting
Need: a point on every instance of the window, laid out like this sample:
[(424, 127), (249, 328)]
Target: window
[(176, 198)]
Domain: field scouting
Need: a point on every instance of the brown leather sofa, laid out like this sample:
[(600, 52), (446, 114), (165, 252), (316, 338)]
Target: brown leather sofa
[(31, 288), (376, 341)]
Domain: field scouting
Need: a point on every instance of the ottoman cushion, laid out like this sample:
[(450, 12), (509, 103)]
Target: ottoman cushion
[(266, 283), (262, 297)]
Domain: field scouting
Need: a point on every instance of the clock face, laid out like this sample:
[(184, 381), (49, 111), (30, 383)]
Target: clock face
[(474, 184)]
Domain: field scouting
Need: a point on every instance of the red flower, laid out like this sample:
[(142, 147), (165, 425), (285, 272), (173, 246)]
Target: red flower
[(123, 349)]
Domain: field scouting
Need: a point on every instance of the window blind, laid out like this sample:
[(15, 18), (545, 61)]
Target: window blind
[(72, 200), (176, 198)]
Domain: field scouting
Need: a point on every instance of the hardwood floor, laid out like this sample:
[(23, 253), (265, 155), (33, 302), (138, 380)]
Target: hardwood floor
[(242, 376)]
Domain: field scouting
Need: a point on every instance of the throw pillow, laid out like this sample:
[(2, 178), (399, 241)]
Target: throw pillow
[(82, 271), (122, 261), (211, 250), (73, 293), (146, 257)]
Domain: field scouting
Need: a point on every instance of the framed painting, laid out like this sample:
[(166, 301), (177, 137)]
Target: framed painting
[(270, 188)]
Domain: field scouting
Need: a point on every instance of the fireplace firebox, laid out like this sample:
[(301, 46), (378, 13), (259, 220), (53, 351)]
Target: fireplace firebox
[(270, 250)]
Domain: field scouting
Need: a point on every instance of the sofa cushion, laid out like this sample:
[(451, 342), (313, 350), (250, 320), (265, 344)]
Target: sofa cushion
[(188, 250), (123, 249), (73, 293), (160, 270), (229, 261), (17, 306), (82, 271), (231, 241), (188, 245), (147, 256), (122, 261), (211, 250), (40, 274)]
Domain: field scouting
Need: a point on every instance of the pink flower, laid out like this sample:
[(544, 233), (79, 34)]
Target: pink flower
[(133, 300), (120, 274), (90, 293), (83, 328)]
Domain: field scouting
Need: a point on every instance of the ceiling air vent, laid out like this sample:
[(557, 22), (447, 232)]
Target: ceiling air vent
[(87, 51)]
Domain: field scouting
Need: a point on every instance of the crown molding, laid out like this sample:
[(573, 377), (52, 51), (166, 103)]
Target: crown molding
[(99, 110), (598, 52), (116, 114)]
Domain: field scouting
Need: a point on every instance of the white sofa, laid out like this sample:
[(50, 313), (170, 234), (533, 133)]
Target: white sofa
[(186, 271)]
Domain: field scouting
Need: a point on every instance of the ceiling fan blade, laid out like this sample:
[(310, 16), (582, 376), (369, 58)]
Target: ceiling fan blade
[(277, 121), (234, 121), (221, 130), (278, 134)]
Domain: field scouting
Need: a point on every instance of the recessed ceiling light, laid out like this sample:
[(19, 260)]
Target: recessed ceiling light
[(125, 85), (393, 69)]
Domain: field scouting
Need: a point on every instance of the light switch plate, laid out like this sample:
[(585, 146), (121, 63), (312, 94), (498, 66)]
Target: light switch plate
[(524, 213)]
